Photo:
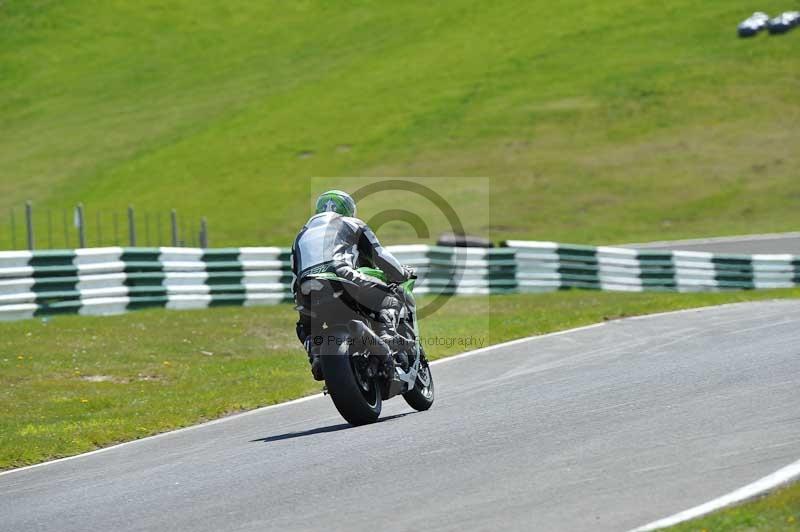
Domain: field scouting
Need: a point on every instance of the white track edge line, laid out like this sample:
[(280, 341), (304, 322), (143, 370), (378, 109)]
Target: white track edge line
[(163, 434), (779, 477), (318, 395)]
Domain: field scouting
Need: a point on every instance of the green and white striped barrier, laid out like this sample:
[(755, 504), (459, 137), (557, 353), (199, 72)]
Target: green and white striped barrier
[(113, 280), (453, 270), (550, 266)]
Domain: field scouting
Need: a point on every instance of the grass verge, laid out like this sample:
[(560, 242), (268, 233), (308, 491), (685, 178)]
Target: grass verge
[(622, 121), (73, 384), (777, 511)]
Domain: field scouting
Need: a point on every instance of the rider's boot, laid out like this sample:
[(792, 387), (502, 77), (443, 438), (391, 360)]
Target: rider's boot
[(395, 344), (386, 328), (313, 359), (316, 367)]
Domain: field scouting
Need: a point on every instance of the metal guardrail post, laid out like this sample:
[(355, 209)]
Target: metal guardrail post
[(29, 224), (99, 228), (174, 221), (50, 228), (81, 225), (131, 226), (203, 232), (13, 230), (66, 227)]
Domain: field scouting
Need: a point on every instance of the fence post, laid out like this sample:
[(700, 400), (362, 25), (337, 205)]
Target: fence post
[(66, 228), (115, 223), (203, 232), (174, 220), (13, 230), (29, 224), (131, 226), (50, 228), (80, 224), (99, 229)]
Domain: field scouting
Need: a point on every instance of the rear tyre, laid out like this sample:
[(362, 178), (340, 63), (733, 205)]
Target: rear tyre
[(421, 397), (357, 398)]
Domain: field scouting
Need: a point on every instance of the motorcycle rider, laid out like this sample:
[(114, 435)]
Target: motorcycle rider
[(334, 240)]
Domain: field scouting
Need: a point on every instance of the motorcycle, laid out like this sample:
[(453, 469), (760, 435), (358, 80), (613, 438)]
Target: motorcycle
[(353, 358)]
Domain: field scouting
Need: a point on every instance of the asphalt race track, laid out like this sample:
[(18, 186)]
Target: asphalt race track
[(602, 428), (771, 243)]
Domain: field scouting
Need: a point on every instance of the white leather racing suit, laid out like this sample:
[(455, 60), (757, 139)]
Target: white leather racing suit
[(330, 242)]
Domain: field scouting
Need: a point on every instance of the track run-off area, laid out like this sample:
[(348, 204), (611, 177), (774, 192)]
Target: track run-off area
[(606, 427)]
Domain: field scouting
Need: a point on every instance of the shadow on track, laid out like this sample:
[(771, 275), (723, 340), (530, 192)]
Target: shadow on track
[(321, 430)]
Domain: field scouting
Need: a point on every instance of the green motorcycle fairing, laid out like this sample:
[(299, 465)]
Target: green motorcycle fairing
[(408, 286)]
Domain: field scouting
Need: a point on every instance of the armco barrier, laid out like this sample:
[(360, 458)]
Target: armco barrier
[(115, 280)]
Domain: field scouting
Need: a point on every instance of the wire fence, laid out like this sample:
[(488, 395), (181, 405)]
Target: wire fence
[(28, 227)]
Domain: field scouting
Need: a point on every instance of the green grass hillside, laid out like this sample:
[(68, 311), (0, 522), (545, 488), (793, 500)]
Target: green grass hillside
[(595, 122)]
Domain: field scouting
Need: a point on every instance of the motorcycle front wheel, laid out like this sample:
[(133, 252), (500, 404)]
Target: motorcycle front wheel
[(420, 398), (355, 396)]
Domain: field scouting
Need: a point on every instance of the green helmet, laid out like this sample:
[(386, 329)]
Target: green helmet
[(336, 201)]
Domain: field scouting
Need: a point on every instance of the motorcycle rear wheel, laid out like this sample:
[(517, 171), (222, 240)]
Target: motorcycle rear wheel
[(356, 397)]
